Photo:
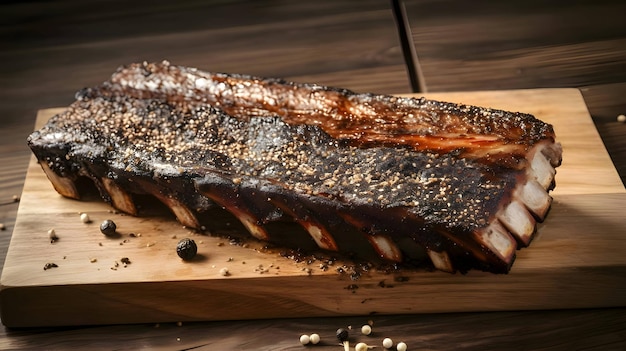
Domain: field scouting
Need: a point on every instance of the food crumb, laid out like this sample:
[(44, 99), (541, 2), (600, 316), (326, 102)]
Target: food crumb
[(49, 265), (224, 272), (621, 118), (2, 227), (180, 324), (53, 236), (84, 217), (150, 244), (16, 198), (93, 260), (125, 261), (220, 244), (261, 270)]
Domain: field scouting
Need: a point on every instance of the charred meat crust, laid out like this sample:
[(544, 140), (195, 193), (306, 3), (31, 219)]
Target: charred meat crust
[(376, 177)]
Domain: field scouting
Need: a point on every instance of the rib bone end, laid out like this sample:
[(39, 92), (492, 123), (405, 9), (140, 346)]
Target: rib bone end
[(63, 185), (120, 199)]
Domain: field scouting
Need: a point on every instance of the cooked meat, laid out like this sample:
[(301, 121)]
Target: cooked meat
[(370, 176)]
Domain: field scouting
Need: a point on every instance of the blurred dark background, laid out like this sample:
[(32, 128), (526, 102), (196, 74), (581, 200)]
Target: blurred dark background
[(50, 49)]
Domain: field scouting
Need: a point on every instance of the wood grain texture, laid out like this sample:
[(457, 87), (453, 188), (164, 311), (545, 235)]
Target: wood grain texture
[(563, 268), (518, 44)]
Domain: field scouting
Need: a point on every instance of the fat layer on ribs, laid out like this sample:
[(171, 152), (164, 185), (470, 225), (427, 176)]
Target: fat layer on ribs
[(308, 166)]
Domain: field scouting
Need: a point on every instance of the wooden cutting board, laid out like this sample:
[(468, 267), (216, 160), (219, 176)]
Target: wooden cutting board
[(577, 260)]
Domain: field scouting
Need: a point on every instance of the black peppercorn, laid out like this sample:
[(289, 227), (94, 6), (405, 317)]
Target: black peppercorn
[(186, 249), (342, 334), (108, 227)]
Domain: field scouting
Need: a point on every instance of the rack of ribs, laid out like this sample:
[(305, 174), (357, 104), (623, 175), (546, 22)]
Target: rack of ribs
[(377, 177)]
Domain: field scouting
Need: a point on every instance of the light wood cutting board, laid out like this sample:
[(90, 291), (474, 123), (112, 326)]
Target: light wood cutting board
[(577, 260)]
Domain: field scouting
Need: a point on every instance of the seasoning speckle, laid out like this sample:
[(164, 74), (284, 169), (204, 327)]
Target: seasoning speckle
[(387, 343), (366, 329), (53, 236), (314, 338), (186, 249), (401, 346), (85, 218), (49, 265), (108, 227)]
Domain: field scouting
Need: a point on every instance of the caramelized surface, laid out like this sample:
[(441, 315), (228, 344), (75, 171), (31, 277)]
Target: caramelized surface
[(364, 120)]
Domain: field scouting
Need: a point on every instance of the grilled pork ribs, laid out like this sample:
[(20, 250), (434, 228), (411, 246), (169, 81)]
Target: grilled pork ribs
[(307, 166)]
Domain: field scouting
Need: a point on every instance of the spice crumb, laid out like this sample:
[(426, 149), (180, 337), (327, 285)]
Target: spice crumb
[(49, 265), (85, 218), (53, 236)]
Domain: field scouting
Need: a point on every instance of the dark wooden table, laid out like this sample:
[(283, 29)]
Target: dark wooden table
[(51, 49)]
